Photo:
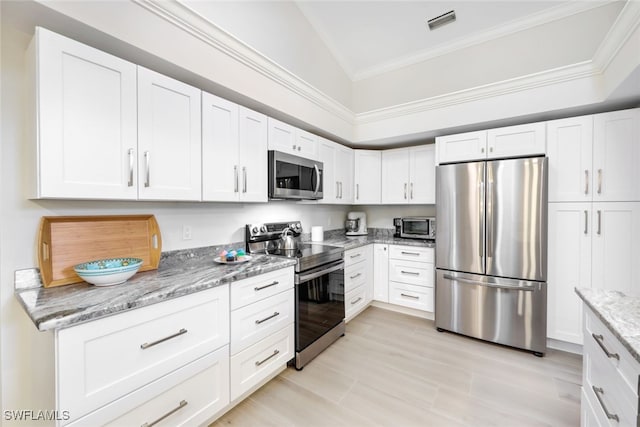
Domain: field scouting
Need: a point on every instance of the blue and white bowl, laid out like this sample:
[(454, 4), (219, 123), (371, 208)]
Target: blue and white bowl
[(108, 272)]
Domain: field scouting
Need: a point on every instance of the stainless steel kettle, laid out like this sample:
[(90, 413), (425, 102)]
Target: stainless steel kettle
[(287, 242)]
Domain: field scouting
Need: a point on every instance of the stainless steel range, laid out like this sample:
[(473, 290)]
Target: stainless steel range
[(319, 285)]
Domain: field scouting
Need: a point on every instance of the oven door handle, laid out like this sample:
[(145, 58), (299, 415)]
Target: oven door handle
[(306, 277)]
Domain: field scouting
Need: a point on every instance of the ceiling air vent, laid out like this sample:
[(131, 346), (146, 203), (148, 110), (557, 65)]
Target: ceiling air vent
[(441, 20)]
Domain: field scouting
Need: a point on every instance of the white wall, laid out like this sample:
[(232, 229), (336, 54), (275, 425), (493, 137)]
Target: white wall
[(25, 358)]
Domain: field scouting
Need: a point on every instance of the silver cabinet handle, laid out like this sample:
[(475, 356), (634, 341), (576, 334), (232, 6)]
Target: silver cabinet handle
[(181, 405), (586, 181), (410, 296), (340, 189), (599, 222), (147, 159), (299, 148), (600, 340), (482, 149), (130, 182), (275, 314), (491, 149), (411, 192), (356, 275), (599, 181), (586, 222), (405, 191), (235, 179), (259, 288), (275, 352), (412, 273), (599, 391), (410, 253), (354, 256), (244, 179), (357, 191), (356, 301), (161, 340), (337, 190), (294, 147)]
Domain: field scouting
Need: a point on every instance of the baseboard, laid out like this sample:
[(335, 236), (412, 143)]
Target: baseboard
[(569, 347), (405, 310)]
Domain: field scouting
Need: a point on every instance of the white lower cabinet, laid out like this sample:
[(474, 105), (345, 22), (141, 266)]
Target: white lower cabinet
[(412, 296), (411, 277), (358, 280), (381, 272)]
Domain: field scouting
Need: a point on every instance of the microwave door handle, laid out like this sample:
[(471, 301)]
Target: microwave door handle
[(317, 179)]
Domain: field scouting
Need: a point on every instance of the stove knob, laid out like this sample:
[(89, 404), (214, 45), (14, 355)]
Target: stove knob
[(255, 230), (263, 229)]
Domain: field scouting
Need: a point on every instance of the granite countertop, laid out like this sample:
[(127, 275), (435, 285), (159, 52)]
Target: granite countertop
[(376, 235), (180, 273), (619, 313)]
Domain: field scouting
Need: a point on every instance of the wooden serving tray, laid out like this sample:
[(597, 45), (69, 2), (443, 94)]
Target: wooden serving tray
[(65, 241)]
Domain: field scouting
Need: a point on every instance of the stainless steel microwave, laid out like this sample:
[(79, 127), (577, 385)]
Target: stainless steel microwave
[(417, 227), (294, 177)]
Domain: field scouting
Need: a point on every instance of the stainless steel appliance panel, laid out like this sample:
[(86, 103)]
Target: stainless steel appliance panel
[(504, 311), (460, 209), (293, 177), (516, 218)]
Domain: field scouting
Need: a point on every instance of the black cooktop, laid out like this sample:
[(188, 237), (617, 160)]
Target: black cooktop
[(310, 255)]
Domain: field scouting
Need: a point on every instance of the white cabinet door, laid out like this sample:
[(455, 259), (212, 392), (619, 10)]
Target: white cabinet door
[(169, 138), (569, 266), (330, 184), (366, 175), (220, 153), (461, 147), (395, 176), (616, 156), (521, 140), (253, 156), (344, 173), (381, 272), (422, 174), (306, 144), (282, 137), (616, 247), (569, 147), (86, 121)]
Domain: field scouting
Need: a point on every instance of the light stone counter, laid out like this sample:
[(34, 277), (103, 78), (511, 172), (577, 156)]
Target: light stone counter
[(376, 235), (619, 313), (180, 273)]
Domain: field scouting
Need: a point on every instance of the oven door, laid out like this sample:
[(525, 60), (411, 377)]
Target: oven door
[(293, 177), (319, 302), (415, 228)]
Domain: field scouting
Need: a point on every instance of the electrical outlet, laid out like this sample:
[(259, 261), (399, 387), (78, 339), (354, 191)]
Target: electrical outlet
[(186, 232)]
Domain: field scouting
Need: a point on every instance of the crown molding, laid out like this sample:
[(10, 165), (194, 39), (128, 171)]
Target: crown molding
[(188, 20), (622, 29)]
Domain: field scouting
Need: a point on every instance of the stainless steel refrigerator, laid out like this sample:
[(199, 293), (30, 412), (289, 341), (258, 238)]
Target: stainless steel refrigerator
[(491, 251)]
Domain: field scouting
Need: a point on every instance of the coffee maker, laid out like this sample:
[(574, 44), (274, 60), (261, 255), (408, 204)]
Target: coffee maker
[(356, 224)]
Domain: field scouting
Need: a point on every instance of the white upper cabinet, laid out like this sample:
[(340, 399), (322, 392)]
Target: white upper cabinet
[(595, 157), (511, 141), (169, 138), (366, 176), (337, 161), (289, 139), (85, 105), (570, 159), (408, 175), (616, 156), (234, 152)]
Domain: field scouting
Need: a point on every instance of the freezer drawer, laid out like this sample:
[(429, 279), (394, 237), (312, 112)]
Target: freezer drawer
[(504, 311)]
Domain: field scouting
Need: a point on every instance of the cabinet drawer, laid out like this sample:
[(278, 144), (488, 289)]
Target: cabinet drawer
[(626, 367), (203, 384), (354, 301), (256, 321), (354, 276), (354, 256), (411, 253), (257, 362), (101, 361), (253, 289), (418, 297), (415, 273)]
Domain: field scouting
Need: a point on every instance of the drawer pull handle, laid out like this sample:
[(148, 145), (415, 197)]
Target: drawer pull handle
[(275, 353), (259, 288), (413, 273), (600, 340), (356, 301), (599, 391), (355, 256), (354, 276), (275, 314), (182, 404), (161, 340), (410, 296), (410, 253)]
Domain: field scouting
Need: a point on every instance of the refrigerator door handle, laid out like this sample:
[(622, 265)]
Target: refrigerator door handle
[(529, 288), (489, 215), (481, 207)]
